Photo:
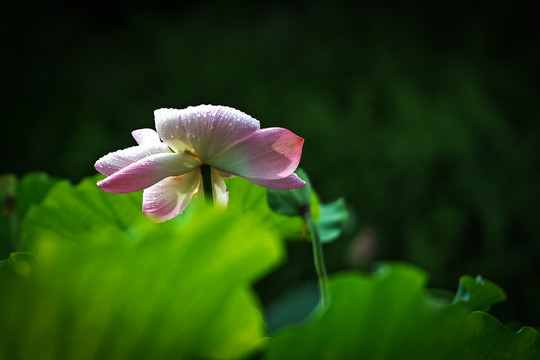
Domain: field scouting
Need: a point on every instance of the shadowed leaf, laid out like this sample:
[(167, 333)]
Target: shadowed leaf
[(493, 340), (478, 293), (385, 316)]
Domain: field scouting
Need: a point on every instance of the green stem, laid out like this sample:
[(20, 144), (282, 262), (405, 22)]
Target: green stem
[(207, 184), (318, 257)]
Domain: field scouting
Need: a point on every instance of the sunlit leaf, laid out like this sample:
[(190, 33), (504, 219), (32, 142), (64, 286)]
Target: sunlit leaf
[(248, 198), (75, 213), (108, 283), (162, 291)]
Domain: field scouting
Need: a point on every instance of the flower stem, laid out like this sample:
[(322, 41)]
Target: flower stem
[(207, 184), (318, 256)]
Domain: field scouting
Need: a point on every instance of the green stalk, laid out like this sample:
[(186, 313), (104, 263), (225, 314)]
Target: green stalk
[(318, 257), (207, 184)]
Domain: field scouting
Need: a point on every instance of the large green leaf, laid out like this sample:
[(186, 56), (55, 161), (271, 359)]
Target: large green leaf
[(493, 340), (248, 198), (107, 283), (75, 213), (386, 316), (161, 291), (391, 316), (32, 189)]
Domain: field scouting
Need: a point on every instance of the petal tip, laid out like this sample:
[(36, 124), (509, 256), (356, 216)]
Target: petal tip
[(301, 184), (287, 183), (100, 184), (146, 136), (101, 166)]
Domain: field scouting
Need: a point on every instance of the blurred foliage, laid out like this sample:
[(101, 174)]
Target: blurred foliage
[(423, 116), (101, 281), (331, 220), (17, 196), (107, 283), (246, 197), (293, 202), (478, 294), (390, 316), (495, 341)]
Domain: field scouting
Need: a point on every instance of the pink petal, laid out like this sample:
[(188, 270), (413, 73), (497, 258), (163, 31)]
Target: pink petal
[(115, 161), (170, 196), (145, 136), (267, 154), (170, 130), (287, 183), (220, 194), (211, 129), (148, 171)]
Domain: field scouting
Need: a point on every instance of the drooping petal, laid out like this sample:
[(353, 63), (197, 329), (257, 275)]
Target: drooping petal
[(170, 130), (211, 129), (146, 136), (267, 154), (287, 183), (148, 171), (115, 161), (170, 196), (220, 193)]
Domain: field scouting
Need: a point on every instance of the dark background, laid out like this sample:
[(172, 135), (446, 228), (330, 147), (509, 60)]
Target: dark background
[(423, 116)]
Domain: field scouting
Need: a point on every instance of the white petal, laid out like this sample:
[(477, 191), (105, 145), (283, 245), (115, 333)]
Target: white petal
[(170, 130), (115, 161), (170, 197), (147, 172), (146, 136), (211, 129)]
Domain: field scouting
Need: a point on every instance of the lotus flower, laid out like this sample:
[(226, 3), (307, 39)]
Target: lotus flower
[(167, 164)]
